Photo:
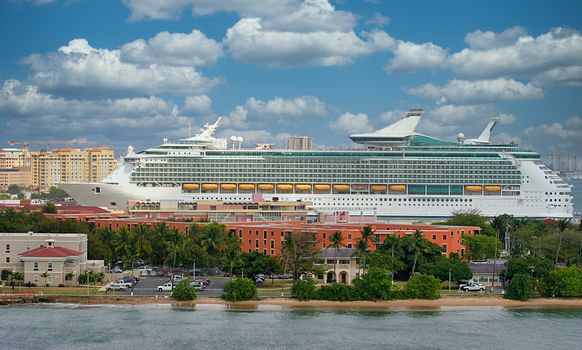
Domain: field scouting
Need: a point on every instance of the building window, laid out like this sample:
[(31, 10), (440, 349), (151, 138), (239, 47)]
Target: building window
[(49, 266), (7, 248), (445, 248), (8, 260), (434, 237), (444, 237), (27, 246), (35, 266), (35, 279)]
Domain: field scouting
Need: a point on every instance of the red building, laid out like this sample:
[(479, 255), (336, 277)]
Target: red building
[(266, 237)]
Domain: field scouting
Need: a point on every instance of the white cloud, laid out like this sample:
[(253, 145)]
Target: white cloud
[(312, 16), (248, 41), (197, 105), (378, 20), (480, 91), (349, 123), (26, 111), (561, 76), (277, 110), (78, 69), (298, 106), (571, 128), (172, 9), (528, 55), (459, 115), (479, 40), (193, 49), (411, 57)]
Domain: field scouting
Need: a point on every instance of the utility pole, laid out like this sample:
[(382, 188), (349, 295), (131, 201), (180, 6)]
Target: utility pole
[(449, 279)]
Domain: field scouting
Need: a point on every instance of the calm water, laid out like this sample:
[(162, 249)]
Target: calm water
[(215, 327)]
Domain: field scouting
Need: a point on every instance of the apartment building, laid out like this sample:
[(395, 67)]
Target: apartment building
[(44, 169)]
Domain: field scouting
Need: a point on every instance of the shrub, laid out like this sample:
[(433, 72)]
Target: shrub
[(423, 287), (304, 290), (564, 282), (520, 287), (184, 291), (375, 284), (61, 285), (5, 275), (240, 289), (337, 292)]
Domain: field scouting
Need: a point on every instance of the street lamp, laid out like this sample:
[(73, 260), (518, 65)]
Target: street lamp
[(193, 269)]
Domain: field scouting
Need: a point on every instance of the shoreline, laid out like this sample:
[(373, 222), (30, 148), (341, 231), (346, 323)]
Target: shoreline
[(447, 302)]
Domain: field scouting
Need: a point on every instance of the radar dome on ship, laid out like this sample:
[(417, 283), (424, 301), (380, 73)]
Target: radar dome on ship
[(461, 137)]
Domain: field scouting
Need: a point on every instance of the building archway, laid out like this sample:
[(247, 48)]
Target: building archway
[(329, 277), (343, 277)]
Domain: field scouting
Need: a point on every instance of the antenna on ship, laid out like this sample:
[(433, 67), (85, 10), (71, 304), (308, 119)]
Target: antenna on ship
[(189, 128)]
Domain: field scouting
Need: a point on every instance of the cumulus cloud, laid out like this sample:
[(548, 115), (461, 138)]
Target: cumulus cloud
[(378, 20), (276, 110), (312, 16), (571, 128), (479, 40), (480, 91), (197, 105), (560, 47), (409, 56), (298, 106), (193, 49), (27, 111), (459, 115), (248, 41), (172, 9), (561, 76), (349, 123), (80, 70)]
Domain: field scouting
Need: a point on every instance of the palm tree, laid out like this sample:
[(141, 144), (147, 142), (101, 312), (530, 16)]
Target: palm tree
[(563, 224), (361, 250), (69, 277), (336, 241), (367, 233), (417, 244)]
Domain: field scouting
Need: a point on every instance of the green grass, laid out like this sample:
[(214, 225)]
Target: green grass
[(59, 290)]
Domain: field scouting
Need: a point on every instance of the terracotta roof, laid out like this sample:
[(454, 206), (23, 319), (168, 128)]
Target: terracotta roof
[(48, 252)]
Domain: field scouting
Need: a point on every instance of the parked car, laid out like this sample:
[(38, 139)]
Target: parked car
[(198, 285), (117, 286), (166, 287), (473, 287), (204, 281), (178, 278)]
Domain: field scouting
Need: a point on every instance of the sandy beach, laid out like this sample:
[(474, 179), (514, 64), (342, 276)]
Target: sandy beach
[(417, 304)]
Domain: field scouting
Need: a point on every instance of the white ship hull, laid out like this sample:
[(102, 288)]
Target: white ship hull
[(403, 174), (537, 199)]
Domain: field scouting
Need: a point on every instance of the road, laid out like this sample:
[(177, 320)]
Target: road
[(148, 286)]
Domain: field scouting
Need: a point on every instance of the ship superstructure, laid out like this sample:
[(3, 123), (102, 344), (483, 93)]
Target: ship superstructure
[(398, 172)]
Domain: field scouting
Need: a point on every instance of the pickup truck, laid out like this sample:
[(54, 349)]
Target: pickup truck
[(126, 283), (473, 287), (117, 286)]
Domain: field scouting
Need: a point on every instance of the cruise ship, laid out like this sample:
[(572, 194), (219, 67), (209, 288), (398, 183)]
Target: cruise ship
[(395, 172)]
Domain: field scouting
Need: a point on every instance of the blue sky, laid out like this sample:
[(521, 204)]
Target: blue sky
[(119, 72)]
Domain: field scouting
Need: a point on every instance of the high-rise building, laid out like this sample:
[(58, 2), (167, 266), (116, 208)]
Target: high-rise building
[(300, 143), (571, 162), (44, 169), (555, 161)]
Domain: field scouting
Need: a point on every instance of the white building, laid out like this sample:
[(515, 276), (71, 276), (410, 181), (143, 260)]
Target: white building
[(56, 254)]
